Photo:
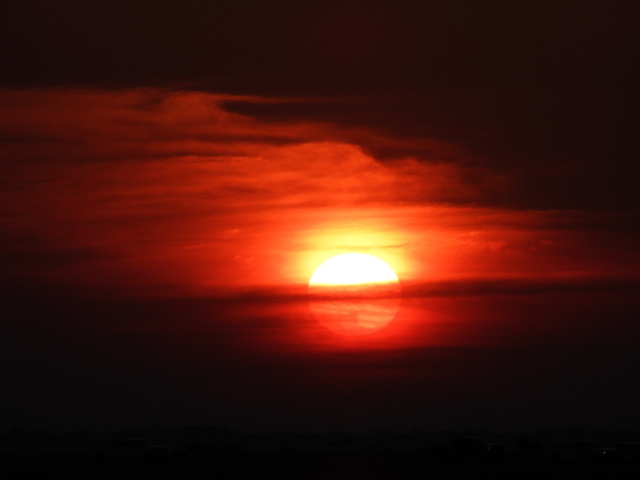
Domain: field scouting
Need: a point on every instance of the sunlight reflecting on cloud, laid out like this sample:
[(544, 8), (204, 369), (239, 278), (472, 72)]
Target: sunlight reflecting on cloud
[(171, 187)]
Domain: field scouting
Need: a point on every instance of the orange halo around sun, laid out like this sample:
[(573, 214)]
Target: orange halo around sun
[(354, 294)]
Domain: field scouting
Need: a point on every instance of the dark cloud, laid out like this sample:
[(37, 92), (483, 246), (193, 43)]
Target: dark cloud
[(544, 94)]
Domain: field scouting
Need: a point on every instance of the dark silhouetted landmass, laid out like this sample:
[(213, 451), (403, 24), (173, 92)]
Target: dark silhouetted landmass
[(209, 452)]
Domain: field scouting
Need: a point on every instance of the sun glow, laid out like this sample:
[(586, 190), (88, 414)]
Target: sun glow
[(353, 269), (354, 294)]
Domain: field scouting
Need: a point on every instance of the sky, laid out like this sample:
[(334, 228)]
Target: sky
[(172, 173)]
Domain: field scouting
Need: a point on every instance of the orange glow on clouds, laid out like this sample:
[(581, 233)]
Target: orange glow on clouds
[(150, 187)]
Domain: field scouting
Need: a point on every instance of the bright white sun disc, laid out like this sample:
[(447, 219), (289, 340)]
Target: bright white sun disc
[(352, 269)]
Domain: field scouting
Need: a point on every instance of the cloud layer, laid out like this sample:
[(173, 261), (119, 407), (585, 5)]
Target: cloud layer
[(155, 186), (156, 244)]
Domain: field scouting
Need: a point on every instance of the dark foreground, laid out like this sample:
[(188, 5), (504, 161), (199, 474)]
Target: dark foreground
[(281, 465)]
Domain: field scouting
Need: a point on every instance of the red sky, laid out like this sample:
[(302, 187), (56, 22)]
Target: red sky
[(163, 207), (170, 188)]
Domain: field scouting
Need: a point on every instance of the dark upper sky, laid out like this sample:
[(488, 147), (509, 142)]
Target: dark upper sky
[(497, 138), (547, 89)]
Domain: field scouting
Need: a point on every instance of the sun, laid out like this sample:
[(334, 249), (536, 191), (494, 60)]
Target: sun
[(354, 294), (352, 269)]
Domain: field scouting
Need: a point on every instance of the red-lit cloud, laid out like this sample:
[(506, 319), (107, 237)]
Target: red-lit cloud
[(168, 194), (151, 187)]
